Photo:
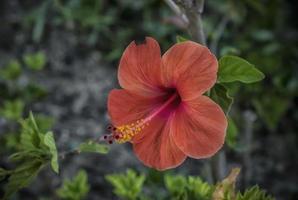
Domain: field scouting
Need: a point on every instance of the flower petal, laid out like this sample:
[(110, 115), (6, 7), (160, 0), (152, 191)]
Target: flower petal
[(155, 146), (199, 127), (190, 67), (140, 68), (125, 107)]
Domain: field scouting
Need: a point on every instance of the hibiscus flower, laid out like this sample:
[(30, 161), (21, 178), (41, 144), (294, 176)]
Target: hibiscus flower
[(162, 109)]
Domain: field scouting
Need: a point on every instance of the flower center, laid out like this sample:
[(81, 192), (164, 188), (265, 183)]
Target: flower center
[(125, 133)]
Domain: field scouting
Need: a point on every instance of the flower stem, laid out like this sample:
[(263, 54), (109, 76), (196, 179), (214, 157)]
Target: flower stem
[(193, 10)]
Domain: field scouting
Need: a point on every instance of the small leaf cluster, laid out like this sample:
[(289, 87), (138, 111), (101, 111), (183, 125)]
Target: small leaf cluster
[(35, 61), (36, 150), (132, 186), (76, 188), (181, 187), (16, 93), (127, 186)]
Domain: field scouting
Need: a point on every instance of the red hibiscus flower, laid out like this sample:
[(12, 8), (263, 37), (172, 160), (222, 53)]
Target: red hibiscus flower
[(161, 109)]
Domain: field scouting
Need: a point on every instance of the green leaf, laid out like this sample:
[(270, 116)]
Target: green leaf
[(93, 147), (3, 173), (49, 141), (45, 123), (219, 94), (75, 189), (33, 122), (232, 133), (35, 61), (25, 155), (254, 193), (198, 189), (176, 185), (127, 186), (22, 176), (11, 71), (12, 110), (181, 187), (233, 68), (33, 92), (35, 151), (30, 136), (180, 39)]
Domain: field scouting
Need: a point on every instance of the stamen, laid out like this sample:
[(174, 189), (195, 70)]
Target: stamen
[(125, 133)]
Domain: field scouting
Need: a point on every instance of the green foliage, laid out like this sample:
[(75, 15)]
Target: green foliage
[(271, 109), (11, 71), (45, 123), (178, 187), (12, 110), (22, 176), (35, 61), (180, 39), (76, 188), (220, 95), (36, 150), (33, 92), (49, 141), (254, 193), (93, 147), (127, 186), (226, 190), (3, 173), (232, 133), (181, 187), (232, 68)]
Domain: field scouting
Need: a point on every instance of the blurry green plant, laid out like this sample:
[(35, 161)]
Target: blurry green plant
[(35, 61), (36, 150), (12, 110), (179, 187), (11, 71), (103, 23), (127, 186), (76, 188), (261, 43), (254, 193)]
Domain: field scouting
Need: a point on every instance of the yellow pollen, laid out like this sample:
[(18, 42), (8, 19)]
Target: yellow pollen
[(126, 132)]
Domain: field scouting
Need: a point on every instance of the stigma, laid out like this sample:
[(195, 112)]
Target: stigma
[(124, 133)]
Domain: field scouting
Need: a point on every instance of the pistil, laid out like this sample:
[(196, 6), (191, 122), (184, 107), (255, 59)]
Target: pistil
[(125, 133)]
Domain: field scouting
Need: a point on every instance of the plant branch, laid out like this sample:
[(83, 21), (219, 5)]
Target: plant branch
[(177, 10), (192, 10), (76, 151)]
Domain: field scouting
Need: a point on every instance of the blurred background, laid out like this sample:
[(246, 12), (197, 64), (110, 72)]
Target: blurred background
[(59, 58)]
